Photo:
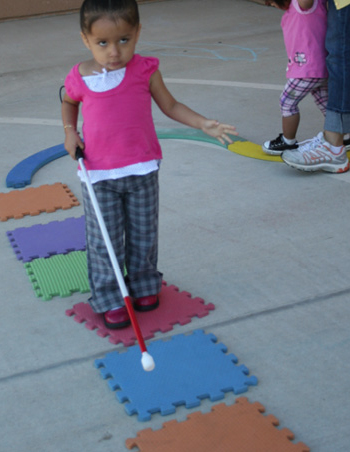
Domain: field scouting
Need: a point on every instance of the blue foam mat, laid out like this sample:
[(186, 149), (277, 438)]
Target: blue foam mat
[(189, 368)]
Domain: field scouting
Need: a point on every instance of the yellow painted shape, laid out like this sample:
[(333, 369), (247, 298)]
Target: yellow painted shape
[(252, 150)]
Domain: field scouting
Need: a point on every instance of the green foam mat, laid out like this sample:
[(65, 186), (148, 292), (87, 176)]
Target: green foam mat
[(60, 275)]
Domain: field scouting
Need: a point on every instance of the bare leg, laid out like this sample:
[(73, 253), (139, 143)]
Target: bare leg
[(334, 138), (290, 126)]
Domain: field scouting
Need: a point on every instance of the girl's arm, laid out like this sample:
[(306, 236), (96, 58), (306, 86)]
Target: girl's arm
[(181, 113), (70, 112)]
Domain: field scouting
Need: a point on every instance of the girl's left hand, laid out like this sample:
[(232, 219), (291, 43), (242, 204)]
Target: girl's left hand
[(217, 130)]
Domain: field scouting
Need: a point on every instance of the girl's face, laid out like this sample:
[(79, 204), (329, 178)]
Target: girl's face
[(111, 43)]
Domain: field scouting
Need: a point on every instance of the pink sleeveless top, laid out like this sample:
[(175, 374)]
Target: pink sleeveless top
[(118, 126), (304, 34)]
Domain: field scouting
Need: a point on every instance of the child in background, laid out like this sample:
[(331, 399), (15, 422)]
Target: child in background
[(121, 152), (304, 25)]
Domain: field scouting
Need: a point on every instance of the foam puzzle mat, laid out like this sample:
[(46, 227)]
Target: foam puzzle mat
[(175, 307), (45, 240), (33, 201), (188, 369), (59, 275), (241, 427)]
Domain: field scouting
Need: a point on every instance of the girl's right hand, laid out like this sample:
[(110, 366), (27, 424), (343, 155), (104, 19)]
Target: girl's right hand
[(72, 142), (218, 130)]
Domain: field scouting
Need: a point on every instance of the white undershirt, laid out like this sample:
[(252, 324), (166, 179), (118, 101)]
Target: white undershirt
[(99, 83)]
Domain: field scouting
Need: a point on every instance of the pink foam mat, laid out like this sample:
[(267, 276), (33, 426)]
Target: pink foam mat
[(175, 307)]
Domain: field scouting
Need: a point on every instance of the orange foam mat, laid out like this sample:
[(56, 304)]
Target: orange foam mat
[(241, 427), (33, 201)]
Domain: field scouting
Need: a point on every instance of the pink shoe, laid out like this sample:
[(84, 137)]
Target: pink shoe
[(119, 318), (148, 303)]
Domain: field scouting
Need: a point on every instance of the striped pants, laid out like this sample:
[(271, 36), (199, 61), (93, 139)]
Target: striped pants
[(298, 88), (130, 207)]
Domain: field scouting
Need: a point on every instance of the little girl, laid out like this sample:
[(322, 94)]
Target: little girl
[(304, 27), (121, 152)]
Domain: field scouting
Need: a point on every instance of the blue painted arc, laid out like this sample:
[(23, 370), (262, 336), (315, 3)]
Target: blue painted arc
[(22, 173)]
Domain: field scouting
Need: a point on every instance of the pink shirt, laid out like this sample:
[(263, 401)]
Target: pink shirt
[(118, 126), (304, 34)]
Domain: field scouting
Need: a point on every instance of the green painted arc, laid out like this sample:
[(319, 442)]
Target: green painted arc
[(22, 173)]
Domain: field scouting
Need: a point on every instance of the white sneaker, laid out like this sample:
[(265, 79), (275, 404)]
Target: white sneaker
[(316, 155)]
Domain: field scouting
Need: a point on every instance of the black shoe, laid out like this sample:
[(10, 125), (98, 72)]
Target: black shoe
[(346, 143), (277, 146)]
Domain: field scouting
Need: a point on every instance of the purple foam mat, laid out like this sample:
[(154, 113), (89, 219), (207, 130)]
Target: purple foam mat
[(45, 240)]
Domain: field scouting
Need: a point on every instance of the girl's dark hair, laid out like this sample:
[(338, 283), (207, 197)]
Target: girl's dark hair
[(92, 10)]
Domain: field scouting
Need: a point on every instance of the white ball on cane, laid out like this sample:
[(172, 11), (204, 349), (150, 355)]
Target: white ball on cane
[(147, 362)]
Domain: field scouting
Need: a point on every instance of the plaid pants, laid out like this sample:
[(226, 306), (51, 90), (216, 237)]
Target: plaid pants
[(297, 88), (130, 207)]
